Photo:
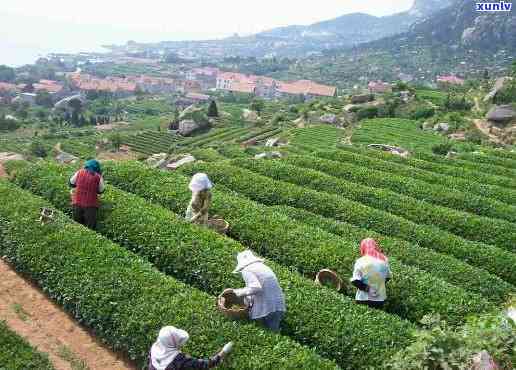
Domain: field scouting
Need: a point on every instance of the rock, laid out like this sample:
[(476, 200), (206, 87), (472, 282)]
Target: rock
[(188, 158), (511, 313), (66, 158), (459, 136), (157, 160), (187, 127), (442, 127), (391, 149), (499, 84), (501, 114), (250, 115), (272, 142), (452, 155), (329, 118), (63, 103), (427, 126), (189, 110), (359, 99), (268, 155)]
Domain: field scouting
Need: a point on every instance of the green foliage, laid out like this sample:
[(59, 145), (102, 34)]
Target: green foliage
[(422, 112), (443, 148), (440, 347), (355, 168), (17, 354), (7, 74), (455, 102), (433, 171), (475, 136), (475, 228), (213, 110), (171, 244), (44, 99), (435, 96), (124, 299), (116, 140), (38, 149), (257, 105), (270, 192), (8, 124), (367, 112)]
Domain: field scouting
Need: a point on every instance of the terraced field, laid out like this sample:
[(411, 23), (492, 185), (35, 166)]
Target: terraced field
[(448, 227)]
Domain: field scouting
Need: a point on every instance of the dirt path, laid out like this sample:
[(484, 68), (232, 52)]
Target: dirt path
[(28, 312)]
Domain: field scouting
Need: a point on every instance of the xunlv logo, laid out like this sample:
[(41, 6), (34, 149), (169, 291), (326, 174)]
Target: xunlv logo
[(502, 6)]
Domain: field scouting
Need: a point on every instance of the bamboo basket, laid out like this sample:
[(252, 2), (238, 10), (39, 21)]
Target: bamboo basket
[(226, 305), (325, 276)]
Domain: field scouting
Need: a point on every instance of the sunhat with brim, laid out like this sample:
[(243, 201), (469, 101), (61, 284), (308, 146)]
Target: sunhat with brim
[(200, 182), (245, 259)]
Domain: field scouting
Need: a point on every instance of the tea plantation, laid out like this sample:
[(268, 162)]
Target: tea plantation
[(447, 225)]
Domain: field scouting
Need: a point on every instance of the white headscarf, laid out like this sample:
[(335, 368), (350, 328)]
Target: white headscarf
[(245, 259), (167, 347), (200, 182)]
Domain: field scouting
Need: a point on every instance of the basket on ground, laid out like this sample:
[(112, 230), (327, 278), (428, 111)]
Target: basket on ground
[(232, 306), (219, 225), (329, 278)]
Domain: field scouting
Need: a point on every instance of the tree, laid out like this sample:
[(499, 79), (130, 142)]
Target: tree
[(116, 141), (7, 74), (44, 99), (213, 111), (257, 105), (38, 149), (8, 124)]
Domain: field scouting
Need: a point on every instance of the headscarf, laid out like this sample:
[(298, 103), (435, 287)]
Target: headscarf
[(93, 165), (245, 259), (167, 347), (200, 182), (369, 247)]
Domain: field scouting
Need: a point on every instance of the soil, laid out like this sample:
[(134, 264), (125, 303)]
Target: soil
[(483, 126), (117, 156), (28, 312), (2, 171)]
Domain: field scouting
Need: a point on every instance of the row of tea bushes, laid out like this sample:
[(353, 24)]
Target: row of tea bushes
[(123, 299)]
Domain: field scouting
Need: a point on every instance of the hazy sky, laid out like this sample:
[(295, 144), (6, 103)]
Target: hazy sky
[(65, 25)]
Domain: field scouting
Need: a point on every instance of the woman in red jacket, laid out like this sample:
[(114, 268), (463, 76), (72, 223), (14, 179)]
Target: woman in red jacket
[(88, 184)]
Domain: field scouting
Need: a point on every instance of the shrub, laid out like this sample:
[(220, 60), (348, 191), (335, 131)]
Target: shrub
[(422, 112), (173, 246), (435, 172), (367, 112), (475, 136), (38, 149), (123, 299), (443, 148), (354, 168), (303, 247), (440, 347), (270, 192), (18, 354), (491, 231)]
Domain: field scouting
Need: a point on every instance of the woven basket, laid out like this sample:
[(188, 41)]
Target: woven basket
[(226, 302), (328, 276), (219, 225)]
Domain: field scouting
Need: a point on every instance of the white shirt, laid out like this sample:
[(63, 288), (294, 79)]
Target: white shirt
[(372, 272), (263, 286)]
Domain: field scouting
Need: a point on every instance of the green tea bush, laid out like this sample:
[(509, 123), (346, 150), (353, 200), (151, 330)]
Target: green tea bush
[(271, 192), (123, 299), (353, 168), (476, 228), (436, 173), (205, 260), (17, 354)]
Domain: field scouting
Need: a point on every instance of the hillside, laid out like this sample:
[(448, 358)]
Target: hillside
[(457, 40)]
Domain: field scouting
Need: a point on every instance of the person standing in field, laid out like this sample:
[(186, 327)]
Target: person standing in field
[(197, 211), (87, 184), (165, 353), (370, 275), (262, 290)]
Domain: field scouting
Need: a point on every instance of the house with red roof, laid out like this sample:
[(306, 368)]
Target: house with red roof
[(450, 80), (379, 87)]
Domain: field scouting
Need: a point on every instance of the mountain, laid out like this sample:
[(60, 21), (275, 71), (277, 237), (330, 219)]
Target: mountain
[(350, 29), (456, 40)]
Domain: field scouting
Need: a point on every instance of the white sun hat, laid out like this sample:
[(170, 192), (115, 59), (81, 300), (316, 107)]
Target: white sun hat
[(200, 182), (245, 259)]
